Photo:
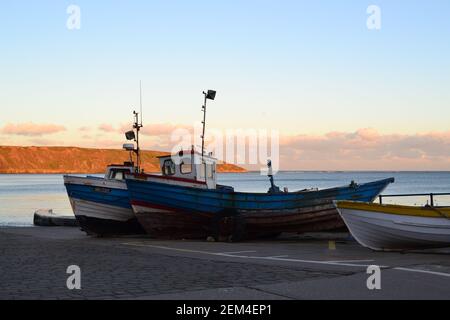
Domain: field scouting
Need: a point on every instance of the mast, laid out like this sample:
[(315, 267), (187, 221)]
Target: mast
[(211, 95), (204, 125), (137, 126)]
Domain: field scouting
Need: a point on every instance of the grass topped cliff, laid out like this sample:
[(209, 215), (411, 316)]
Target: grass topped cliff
[(77, 160)]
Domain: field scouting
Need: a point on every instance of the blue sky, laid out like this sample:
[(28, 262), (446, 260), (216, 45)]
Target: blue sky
[(302, 67)]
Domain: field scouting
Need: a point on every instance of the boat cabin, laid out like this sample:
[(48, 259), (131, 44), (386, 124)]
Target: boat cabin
[(118, 171), (190, 165)]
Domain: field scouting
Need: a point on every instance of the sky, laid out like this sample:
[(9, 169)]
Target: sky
[(342, 96)]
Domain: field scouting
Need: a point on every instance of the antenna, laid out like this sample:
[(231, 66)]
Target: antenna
[(140, 98)]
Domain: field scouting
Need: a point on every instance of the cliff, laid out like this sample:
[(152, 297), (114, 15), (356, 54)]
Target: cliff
[(76, 160)]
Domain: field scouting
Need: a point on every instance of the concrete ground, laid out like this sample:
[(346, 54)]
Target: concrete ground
[(34, 261)]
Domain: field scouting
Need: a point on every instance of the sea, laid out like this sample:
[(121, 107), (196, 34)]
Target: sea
[(22, 194)]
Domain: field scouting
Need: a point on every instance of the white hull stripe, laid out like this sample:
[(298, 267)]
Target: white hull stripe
[(100, 211)]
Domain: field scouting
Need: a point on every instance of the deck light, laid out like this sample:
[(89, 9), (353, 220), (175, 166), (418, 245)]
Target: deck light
[(211, 95), (130, 135)]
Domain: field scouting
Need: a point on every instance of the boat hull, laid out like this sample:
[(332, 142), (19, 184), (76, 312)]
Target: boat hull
[(169, 224), (396, 228), (102, 207), (183, 212)]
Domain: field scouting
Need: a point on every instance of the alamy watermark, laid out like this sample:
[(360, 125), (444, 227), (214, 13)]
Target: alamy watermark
[(374, 20), (74, 280), (74, 20), (374, 280), (252, 147)]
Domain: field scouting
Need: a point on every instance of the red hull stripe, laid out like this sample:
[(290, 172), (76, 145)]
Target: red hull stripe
[(152, 205)]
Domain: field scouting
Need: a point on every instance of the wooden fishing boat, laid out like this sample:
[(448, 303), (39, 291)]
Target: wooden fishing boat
[(186, 202), (101, 204), (395, 227)]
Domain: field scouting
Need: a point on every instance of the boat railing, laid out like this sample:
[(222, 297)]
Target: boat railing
[(431, 195)]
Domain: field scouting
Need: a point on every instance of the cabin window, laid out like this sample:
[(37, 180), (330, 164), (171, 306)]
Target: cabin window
[(209, 171), (202, 171), (186, 168), (118, 174), (168, 168)]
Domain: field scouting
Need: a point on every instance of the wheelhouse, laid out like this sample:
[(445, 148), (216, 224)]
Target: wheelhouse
[(117, 171), (190, 165)]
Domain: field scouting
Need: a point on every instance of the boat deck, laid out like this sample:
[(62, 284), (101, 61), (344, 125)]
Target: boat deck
[(34, 262)]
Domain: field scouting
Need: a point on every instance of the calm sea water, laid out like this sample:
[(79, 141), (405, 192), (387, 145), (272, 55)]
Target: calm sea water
[(21, 195)]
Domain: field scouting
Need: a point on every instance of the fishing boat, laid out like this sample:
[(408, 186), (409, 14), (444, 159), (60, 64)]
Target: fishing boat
[(386, 227), (186, 201), (101, 204)]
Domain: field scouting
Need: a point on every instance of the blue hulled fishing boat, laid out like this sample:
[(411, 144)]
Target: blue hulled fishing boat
[(101, 204), (186, 202)]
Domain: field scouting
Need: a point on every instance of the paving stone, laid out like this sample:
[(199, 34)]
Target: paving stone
[(35, 268)]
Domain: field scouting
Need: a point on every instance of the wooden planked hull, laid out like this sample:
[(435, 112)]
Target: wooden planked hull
[(182, 212), (105, 220), (166, 224), (310, 219), (101, 207), (396, 228)]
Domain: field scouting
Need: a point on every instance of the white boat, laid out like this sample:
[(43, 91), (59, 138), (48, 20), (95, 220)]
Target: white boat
[(101, 204), (384, 227)]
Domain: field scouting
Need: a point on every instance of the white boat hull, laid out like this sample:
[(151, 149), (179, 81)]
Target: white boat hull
[(100, 211), (392, 232)]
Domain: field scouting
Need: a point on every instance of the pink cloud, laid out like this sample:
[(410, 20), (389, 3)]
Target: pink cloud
[(366, 149), (84, 129), (31, 129), (363, 149), (106, 128), (156, 129)]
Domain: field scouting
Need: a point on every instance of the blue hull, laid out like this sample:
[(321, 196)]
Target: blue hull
[(102, 210), (187, 212), (108, 196)]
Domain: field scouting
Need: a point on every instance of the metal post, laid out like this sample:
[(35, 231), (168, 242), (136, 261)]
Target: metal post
[(204, 124), (431, 200), (381, 199), (137, 126)]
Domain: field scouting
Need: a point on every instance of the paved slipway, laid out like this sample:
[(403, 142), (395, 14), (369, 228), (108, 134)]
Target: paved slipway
[(33, 264)]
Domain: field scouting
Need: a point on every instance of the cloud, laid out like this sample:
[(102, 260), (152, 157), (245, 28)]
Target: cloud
[(363, 149), (84, 129), (31, 129), (156, 129), (366, 149), (106, 128)]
